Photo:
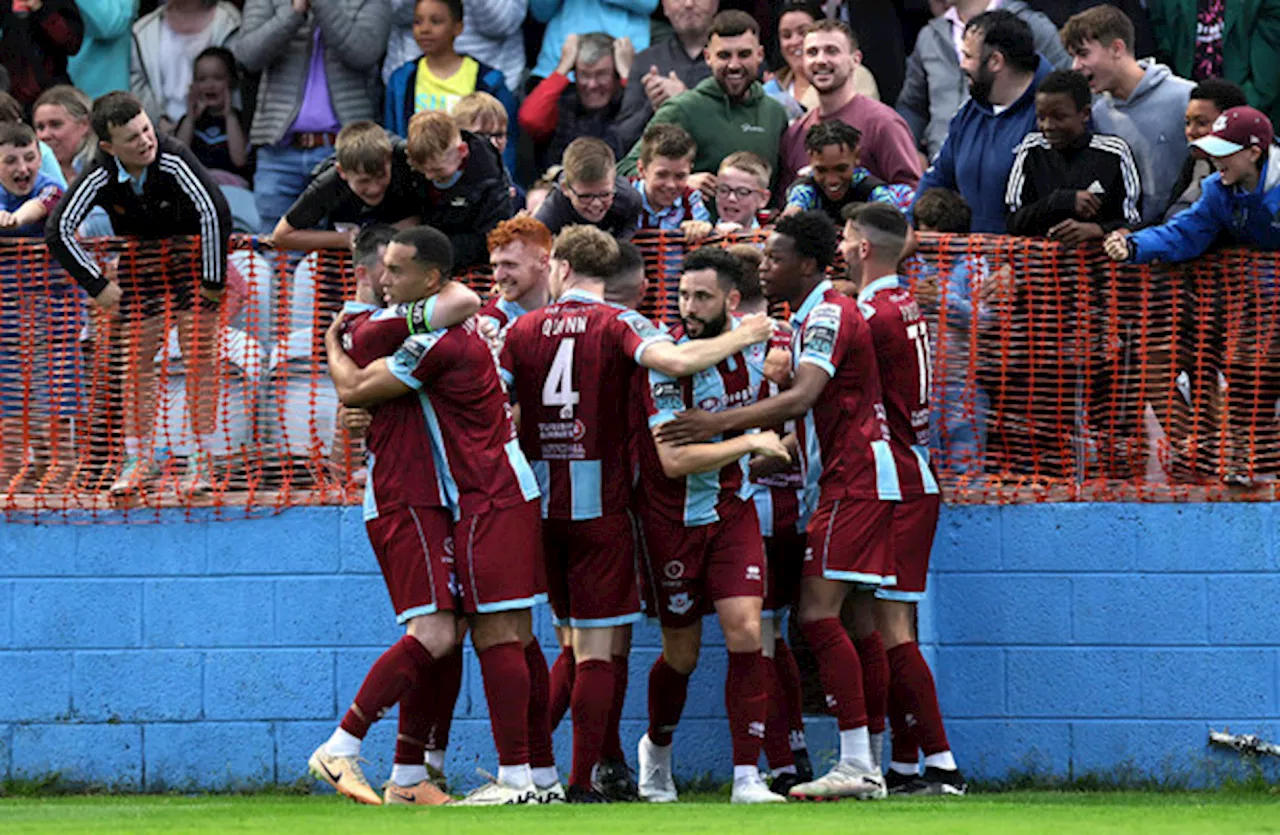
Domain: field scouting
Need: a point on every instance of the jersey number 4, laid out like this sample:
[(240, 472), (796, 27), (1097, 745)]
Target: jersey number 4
[(918, 333), (558, 388)]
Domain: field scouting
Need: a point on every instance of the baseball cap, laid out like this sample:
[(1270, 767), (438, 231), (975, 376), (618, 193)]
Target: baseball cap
[(1235, 130)]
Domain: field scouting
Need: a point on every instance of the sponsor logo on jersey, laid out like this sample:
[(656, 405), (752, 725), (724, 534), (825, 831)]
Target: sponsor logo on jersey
[(574, 430), (819, 338), (667, 396), (753, 573), (673, 569), (679, 603)]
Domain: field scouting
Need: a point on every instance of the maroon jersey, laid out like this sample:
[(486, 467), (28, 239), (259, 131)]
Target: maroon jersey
[(779, 498), (468, 418), (844, 438), (571, 364), (401, 462), (501, 313), (901, 339), (697, 499)]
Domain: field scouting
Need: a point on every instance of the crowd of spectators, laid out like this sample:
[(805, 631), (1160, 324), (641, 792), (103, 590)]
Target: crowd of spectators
[(1075, 120)]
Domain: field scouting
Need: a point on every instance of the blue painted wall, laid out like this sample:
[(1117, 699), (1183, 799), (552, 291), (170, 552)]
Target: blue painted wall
[(1065, 638)]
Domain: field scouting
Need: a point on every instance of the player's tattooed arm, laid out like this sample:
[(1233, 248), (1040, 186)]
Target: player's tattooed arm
[(700, 354), (695, 425), (681, 461), (359, 387)]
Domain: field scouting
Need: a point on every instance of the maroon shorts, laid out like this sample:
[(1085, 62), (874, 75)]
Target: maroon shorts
[(414, 546), (591, 570), (500, 559), (851, 540), (687, 569), (914, 524), (785, 551)]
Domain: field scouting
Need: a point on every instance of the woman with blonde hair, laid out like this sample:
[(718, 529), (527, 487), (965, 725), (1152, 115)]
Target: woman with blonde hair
[(61, 120)]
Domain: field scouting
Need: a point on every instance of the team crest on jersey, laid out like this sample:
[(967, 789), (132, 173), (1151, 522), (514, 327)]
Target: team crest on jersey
[(819, 338), (679, 604), (673, 569), (448, 545)]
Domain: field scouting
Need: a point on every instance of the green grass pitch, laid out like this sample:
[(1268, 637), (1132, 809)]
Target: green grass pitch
[(1029, 812)]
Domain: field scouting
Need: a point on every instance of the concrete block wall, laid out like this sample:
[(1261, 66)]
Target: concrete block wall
[(1065, 639)]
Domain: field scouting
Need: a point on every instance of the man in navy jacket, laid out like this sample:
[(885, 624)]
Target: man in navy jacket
[(1000, 60)]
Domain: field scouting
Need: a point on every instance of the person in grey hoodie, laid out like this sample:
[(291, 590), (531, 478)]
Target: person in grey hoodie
[(1142, 102), (935, 88)]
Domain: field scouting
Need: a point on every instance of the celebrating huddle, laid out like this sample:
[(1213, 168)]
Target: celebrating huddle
[(557, 445)]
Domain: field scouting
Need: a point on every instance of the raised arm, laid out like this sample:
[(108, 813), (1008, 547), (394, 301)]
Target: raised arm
[(700, 354)]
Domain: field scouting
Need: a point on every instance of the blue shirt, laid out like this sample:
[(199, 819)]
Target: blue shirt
[(10, 202)]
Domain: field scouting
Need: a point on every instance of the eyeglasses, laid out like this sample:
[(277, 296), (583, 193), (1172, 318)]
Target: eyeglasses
[(604, 197), (497, 136), (741, 193)]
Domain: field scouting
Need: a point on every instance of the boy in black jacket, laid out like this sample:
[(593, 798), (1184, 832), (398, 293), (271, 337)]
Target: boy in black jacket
[(152, 188), (468, 192), (1068, 183)]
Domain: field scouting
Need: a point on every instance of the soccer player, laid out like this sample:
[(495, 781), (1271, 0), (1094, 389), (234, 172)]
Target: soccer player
[(849, 477), (872, 245), (152, 188), (520, 254), (410, 528), (570, 364), (703, 550), (493, 493)]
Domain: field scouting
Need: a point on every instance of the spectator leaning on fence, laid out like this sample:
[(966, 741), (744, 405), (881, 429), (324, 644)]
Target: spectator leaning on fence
[(742, 191), (1209, 100), (11, 111), (1003, 69), (835, 177), (558, 111), (369, 180), (318, 59), (1142, 102), (1069, 183), (591, 192), (729, 111), (152, 188), (831, 60), (666, 158)]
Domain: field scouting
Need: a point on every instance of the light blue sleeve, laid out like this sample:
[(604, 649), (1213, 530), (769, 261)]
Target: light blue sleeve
[(668, 399), (49, 166)]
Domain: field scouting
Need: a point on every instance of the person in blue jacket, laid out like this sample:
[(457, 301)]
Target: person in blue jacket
[(1004, 69)]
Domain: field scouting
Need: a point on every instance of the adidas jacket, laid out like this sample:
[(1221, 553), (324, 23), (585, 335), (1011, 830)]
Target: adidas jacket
[(1043, 182)]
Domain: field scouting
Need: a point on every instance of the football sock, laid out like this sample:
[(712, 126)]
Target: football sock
[(408, 775), (788, 673), (906, 769), (944, 761), (417, 716), (446, 682), (668, 690), (342, 744), (562, 673), (592, 702), (875, 680), (855, 748), (914, 690), (541, 754), (777, 747), (506, 689), (515, 776), (545, 777), (612, 749), (435, 759), (840, 671), (747, 703), (745, 774), (391, 675), (877, 751)]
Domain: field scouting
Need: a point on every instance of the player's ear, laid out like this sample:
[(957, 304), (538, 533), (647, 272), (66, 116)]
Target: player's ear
[(733, 299)]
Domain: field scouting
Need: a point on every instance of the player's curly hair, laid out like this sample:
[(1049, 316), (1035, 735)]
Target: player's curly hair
[(520, 228), (831, 132), (589, 251), (813, 235)]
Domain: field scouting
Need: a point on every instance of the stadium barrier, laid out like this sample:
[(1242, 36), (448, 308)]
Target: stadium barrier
[(1058, 375)]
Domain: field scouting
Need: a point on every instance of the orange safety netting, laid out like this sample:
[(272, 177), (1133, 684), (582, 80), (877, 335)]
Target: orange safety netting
[(1058, 376)]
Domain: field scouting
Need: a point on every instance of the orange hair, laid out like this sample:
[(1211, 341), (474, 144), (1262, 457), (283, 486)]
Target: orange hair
[(522, 228)]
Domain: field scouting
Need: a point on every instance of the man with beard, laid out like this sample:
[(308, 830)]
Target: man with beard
[(1000, 60), (887, 148), (703, 551), (728, 112)]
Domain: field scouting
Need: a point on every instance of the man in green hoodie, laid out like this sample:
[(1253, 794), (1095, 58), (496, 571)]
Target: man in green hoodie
[(728, 112)]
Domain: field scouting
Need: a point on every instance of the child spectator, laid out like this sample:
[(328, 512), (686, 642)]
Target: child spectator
[(11, 111), (467, 187), (40, 379), (742, 191), (441, 77), (484, 116), (541, 190), (834, 178), (666, 161), (591, 192), (1067, 182), (368, 180), (1209, 100), (212, 128)]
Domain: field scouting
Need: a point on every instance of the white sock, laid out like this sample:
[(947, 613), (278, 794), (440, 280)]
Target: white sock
[(745, 773), (908, 769), (342, 744), (796, 738), (855, 748), (944, 761), (132, 445), (435, 759), (408, 775), (786, 769), (545, 777), (515, 776), (877, 750)]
